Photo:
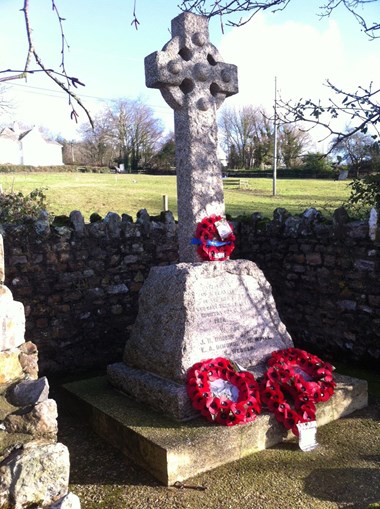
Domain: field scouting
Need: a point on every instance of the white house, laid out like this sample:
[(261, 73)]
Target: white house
[(28, 148)]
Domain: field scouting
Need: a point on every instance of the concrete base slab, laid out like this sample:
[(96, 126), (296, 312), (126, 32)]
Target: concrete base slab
[(174, 451)]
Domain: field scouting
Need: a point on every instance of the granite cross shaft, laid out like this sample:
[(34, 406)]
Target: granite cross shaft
[(194, 81)]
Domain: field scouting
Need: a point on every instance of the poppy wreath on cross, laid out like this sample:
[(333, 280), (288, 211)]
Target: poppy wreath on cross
[(221, 393), (215, 238), (293, 383)]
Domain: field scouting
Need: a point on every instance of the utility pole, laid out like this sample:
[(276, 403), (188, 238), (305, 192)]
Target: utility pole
[(275, 139), (72, 152)]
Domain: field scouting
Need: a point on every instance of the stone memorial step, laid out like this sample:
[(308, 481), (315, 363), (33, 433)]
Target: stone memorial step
[(175, 451)]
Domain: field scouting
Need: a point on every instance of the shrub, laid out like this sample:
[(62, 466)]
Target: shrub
[(11, 168), (366, 191), (18, 208), (319, 164)]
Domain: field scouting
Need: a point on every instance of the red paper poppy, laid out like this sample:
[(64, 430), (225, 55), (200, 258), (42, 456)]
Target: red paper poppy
[(210, 245), (294, 382), (220, 408), (311, 368)]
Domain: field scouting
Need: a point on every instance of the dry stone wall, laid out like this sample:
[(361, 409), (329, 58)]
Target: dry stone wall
[(80, 283), (325, 279), (34, 468)]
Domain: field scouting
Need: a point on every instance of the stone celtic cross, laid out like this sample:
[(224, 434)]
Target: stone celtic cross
[(194, 81)]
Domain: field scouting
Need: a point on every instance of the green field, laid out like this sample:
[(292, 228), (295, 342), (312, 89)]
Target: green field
[(101, 193)]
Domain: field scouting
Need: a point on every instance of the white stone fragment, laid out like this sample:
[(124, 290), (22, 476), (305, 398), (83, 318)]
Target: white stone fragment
[(36, 475), (70, 501), (372, 223), (12, 321)]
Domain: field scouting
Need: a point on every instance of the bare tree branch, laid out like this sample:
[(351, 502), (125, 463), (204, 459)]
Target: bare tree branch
[(361, 108), (352, 5), (135, 21), (227, 8), (70, 81)]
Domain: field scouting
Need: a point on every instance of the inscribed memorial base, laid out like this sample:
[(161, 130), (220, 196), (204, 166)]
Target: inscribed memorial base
[(190, 312)]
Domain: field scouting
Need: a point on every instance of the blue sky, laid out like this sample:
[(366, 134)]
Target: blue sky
[(107, 54)]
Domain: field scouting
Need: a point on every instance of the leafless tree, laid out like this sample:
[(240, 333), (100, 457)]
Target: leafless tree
[(238, 127), (134, 131), (96, 147), (292, 142), (125, 132), (247, 137)]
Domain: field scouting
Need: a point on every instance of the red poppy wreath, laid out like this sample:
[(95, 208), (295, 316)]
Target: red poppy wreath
[(222, 394), (215, 239), (294, 382)]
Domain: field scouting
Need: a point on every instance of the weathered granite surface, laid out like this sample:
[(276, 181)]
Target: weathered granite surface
[(173, 451), (29, 392), (69, 501), (35, 476), (160, 394), (190, 312), (39, 421), (194, 81)]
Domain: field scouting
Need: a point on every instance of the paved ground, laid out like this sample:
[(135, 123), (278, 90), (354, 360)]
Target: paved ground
[(343, 472)]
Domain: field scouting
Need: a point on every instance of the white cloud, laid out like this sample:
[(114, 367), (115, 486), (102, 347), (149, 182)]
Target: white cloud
[(299, 55), (302, 57)]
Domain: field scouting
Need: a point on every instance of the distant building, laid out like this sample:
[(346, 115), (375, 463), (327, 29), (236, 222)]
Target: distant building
[(28, 148)]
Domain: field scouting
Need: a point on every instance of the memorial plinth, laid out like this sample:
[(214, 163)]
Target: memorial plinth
[(174, 451), (190, 312)]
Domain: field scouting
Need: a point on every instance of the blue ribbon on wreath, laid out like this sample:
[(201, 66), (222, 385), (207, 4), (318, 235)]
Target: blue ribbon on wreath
[(214, 243)]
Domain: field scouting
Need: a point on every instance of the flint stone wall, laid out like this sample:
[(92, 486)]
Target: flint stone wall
[(80, 283)]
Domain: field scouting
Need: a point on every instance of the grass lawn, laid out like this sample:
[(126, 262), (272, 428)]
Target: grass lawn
[(101, 193)]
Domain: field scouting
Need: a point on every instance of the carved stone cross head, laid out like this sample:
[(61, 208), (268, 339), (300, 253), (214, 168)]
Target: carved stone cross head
[(189, 70)]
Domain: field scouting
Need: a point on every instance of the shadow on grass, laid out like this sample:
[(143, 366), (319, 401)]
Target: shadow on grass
[(364, 486), (93, 461)]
